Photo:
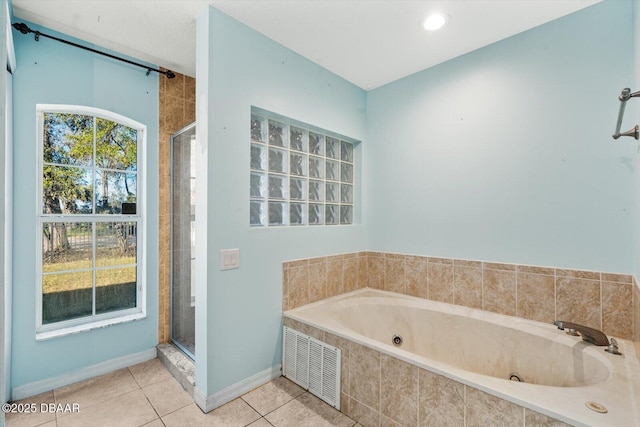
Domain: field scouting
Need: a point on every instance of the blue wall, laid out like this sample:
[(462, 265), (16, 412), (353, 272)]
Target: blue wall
[(505, 154), (50, 72), (633, 117), (241, 309)]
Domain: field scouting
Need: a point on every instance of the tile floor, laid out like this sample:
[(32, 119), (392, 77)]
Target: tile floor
[(147, 395)]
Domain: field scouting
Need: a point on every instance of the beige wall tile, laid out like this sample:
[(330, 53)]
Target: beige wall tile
[(363, 414), (298, 286), (350, 274), (285, 284), (189, 113), (441, 401), (578, 274), (416, 280), (375, 271), (335, 278), (499, 266), (292, 323), (394, 274), (467, 263), (578, 301), (174, 115), (344, 403), (189, 89), (499, 291), (484, 410), (363, 275), (636, 313), (364, 375), (440, 281), (298, 263), (399, 390), (549, 271), (388, 422), (617, 309), (175, 87), (467, 288), (536, 419), (536, 297), (313, 332), (436, 260), (618, 278), (317, 281)]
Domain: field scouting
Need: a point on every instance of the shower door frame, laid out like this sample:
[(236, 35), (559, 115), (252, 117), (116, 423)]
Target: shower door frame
[(173, 340)]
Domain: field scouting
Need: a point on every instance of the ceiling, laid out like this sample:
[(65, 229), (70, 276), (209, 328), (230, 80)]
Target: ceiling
[(367, 42)]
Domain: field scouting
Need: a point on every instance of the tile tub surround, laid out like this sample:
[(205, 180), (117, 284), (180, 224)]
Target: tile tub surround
[(378, 381), (380, 390), (604, 301)]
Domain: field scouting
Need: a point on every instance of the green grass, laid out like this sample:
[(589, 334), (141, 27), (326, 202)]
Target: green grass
[(79, 280)]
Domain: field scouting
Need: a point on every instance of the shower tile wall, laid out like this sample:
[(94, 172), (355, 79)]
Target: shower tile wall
[(177, 109), (605, 301)]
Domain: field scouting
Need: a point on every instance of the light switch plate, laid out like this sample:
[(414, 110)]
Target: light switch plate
[(229, 259)]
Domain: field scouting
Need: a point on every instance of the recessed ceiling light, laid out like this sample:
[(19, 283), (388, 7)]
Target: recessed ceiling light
[(435, 21)]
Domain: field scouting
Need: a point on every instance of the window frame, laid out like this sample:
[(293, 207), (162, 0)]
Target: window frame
[(93, 321)]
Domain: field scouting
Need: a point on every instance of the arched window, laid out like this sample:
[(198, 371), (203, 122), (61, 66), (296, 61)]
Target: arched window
[(91, 216)]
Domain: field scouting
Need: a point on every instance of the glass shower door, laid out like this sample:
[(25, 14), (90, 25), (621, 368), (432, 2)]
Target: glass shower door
[(183, 180)]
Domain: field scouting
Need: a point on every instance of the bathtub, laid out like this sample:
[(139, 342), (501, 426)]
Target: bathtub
[(489, 352)]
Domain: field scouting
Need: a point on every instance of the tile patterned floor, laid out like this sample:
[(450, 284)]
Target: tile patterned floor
[(147, 395)]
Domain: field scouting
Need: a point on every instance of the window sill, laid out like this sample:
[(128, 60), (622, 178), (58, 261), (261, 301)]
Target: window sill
[(61, 332)]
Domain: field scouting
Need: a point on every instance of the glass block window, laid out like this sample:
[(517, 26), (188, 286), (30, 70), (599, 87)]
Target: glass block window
[(299, 175)]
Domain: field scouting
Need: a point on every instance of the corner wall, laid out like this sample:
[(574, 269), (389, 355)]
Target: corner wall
[(50, 72), (238, 312), (505, 154)]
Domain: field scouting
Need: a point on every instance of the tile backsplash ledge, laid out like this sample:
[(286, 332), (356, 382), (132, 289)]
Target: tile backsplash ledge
[(605, 301)]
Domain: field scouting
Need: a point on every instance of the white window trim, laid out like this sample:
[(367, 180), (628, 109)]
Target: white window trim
[(73, 326)]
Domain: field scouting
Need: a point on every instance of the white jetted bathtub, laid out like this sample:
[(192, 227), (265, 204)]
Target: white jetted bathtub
[(559, 373)]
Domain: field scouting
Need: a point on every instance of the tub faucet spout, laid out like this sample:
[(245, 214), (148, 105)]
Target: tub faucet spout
[(591, 335)]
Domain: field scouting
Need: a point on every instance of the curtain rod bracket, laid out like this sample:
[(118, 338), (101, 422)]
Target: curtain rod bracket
[(24, 29)]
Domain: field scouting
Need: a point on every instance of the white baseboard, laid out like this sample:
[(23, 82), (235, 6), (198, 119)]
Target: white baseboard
[(85, 373), (209, 403)]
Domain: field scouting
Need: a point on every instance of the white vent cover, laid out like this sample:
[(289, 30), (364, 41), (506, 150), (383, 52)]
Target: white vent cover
[(313, 365)]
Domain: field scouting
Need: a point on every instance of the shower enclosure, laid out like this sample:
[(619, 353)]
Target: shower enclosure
[(183, 180)]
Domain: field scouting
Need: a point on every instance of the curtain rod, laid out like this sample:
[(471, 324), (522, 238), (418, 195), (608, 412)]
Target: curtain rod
[(24, 29)]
